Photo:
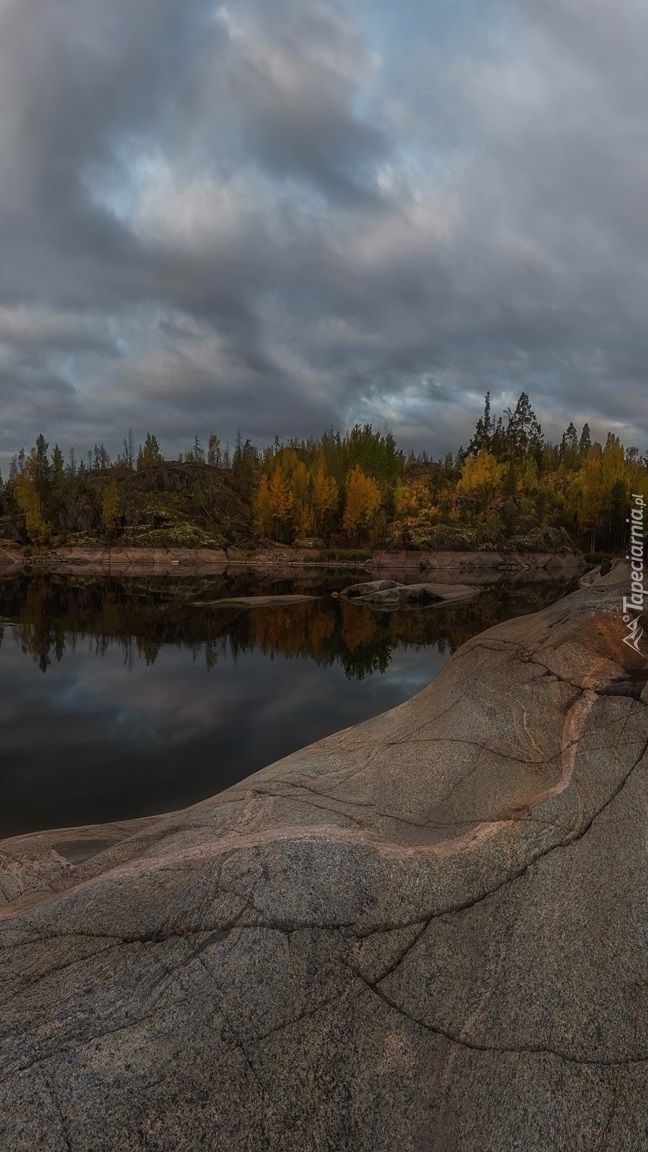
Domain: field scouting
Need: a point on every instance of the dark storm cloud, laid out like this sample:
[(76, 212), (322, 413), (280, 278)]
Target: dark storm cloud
[(277, 216), (293, 75)]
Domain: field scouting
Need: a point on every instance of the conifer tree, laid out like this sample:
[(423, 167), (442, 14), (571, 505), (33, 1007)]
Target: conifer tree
[(58, 467), (484, 428)]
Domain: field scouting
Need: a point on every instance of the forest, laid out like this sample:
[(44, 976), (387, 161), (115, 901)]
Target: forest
[(510, 489)]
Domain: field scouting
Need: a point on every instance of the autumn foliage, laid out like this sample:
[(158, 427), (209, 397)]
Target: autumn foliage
[(510, 489)]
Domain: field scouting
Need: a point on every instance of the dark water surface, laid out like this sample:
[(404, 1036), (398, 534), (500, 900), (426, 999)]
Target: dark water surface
[(120, 697)]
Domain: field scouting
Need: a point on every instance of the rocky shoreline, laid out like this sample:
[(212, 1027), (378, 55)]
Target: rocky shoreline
[(426, 932), (158, 561)]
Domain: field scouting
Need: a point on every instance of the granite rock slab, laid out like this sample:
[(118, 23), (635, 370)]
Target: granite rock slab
[(390, 594)]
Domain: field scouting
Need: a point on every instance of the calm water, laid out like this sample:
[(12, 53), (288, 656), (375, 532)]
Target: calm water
[(121, 698)]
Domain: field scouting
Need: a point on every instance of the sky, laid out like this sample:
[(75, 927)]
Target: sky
[(282, 215)]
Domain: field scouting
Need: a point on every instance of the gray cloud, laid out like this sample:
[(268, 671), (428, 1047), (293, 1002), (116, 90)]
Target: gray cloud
[(276, 216)]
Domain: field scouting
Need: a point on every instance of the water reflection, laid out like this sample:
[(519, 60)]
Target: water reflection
[(185, 701), (51, 615)]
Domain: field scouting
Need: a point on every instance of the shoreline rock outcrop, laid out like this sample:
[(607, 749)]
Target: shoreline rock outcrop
[(425, 933), (96, 560)]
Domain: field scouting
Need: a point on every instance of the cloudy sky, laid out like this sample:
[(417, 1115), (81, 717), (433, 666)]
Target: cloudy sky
[(282, 214)]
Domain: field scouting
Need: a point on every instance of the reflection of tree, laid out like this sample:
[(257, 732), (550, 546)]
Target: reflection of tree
[(359, 625), (140, 616)]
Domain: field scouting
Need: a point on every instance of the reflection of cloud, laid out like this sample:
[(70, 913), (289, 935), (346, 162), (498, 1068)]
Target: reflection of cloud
[(279, 215), (91, 740)]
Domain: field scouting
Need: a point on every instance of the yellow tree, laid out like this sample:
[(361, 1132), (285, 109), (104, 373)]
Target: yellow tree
[(325, 491), (281, 501), (300, 489), (481, 479), (592, 495), (414, 513), (412, 498), (363, 499), (637, 473), (263, 508), (29, 501)]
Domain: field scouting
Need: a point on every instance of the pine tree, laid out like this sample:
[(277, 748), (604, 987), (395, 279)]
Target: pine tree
[(585, 441), (58, 467), (214, 456), (484, 429), (101, 459), (569, 442), (523, 433)]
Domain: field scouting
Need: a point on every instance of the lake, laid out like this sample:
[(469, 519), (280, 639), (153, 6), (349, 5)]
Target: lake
[(132, 696)]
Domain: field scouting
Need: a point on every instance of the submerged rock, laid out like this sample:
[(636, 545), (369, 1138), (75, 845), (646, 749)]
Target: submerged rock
[(425, 933), (391, 594), (368, 588)]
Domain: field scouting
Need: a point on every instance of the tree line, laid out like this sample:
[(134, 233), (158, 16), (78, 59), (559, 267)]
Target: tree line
[(509, 488)]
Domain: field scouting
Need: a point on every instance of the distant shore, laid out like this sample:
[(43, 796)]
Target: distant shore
[(89, 560)]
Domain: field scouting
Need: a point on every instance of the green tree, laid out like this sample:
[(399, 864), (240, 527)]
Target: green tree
[(40, 468), (523, 433), (484, 428), (58, 467), (568, 451)]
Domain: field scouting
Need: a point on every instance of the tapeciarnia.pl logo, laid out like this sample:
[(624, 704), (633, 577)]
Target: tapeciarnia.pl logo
[(634, 603)]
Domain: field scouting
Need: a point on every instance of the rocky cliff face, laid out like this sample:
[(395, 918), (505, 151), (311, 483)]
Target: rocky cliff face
[(426, 933)]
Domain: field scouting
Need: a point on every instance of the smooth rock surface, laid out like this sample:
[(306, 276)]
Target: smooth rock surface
[(427, 933)]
